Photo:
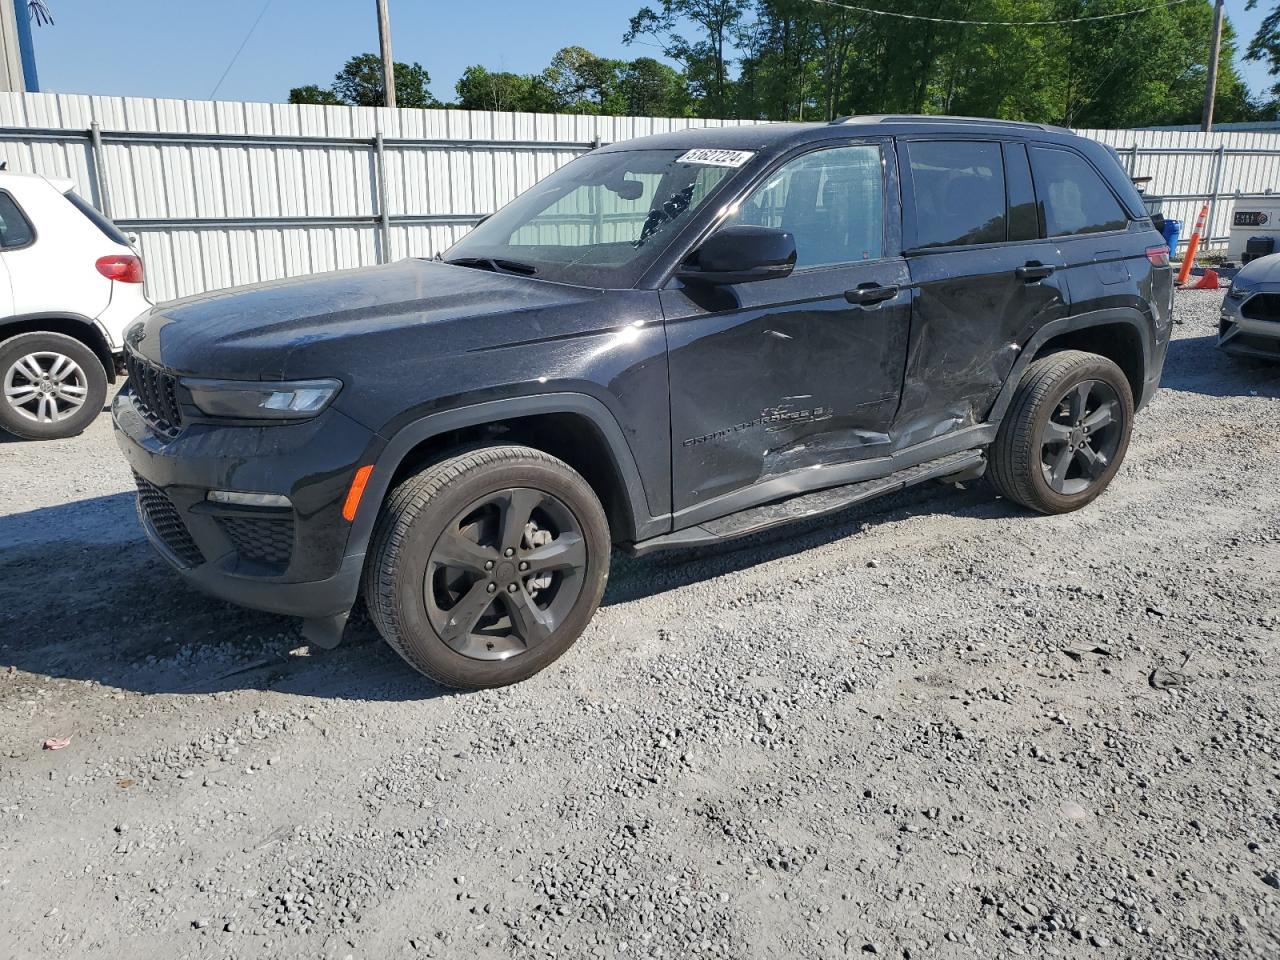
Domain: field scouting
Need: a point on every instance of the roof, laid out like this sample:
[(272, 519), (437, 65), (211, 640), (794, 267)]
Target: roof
[(61, 184), (766, 136)]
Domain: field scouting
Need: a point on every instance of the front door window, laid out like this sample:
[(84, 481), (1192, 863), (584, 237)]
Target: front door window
[(831, 201)]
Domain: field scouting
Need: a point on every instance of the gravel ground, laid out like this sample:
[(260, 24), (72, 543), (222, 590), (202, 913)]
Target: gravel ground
[(935, 726)]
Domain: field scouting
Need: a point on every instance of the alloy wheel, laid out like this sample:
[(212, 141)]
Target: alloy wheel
[(505, 573), (45, 386), (1081, 438)]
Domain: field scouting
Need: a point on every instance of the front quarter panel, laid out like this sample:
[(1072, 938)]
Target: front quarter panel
[(609, 346)]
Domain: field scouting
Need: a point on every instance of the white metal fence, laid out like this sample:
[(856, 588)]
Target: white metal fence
[(222, 193), (1190, 169)]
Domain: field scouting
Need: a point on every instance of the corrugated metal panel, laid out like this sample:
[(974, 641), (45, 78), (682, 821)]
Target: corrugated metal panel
[(476, 162)]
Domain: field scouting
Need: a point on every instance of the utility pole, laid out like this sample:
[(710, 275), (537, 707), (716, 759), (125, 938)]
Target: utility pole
[(1211, 90), (388, 65)]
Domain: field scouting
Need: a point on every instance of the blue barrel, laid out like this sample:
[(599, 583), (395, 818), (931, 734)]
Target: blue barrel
[(1172, 231)]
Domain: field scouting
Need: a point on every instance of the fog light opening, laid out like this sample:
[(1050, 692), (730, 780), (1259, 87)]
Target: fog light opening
[(236, 498)]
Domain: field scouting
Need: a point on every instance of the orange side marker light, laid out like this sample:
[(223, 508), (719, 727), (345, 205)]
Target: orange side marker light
[(358, 483)]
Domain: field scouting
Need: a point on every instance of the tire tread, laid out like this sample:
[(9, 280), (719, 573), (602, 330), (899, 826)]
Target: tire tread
[(1015, 454), (399, 511)]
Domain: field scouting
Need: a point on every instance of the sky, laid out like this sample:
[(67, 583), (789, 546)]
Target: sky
[(180, 48)]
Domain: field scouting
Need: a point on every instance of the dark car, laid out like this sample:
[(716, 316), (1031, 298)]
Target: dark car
[(672, 341)]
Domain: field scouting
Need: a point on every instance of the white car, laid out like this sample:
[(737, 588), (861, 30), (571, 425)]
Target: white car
[(69, 285)]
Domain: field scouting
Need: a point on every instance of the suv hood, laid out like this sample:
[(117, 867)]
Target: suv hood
[(321, 326)]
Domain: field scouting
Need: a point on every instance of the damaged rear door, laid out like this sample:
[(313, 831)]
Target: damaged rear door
[(804, 371), (984, 280)]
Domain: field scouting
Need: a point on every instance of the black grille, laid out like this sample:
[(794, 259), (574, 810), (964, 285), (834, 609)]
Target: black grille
[(1264, 306), (156, 392), (164, 518), (264, 540)]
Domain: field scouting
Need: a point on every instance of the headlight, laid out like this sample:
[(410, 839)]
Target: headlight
[(1238, 290), (247, 400)]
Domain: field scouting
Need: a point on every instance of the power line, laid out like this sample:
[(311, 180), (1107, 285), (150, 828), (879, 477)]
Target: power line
[(240, 49), (999, 23)]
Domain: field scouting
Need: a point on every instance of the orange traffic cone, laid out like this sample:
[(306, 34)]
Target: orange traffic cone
[(1207, 282)]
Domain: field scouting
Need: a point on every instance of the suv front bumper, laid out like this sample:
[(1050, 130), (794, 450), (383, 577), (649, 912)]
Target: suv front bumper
[(289, 560)]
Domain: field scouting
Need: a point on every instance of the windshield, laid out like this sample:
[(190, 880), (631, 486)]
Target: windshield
[(599, 221)]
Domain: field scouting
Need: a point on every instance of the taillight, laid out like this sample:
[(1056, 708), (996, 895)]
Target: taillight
[(1159, 256), (122, 267)]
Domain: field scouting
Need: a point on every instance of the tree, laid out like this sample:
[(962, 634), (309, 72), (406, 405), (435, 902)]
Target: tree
[(648, 88), (313, 94), (801, 60), (1265, 45), (359, 84), (481, 89), (580, 81), (704, 57)]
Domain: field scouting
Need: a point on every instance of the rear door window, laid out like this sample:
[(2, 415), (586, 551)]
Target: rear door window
[(1074, 198), (958, 192), (15, 228)]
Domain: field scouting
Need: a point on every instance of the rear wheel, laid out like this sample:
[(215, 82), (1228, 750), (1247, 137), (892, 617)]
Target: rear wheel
[(53, 386), (1065, 433), (486, 567)]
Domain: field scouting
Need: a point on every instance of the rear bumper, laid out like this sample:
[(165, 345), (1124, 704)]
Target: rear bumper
[(1154, 372), (287, 560)]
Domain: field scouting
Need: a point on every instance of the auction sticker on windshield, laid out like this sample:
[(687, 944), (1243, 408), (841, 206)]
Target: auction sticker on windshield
[(716, 158)]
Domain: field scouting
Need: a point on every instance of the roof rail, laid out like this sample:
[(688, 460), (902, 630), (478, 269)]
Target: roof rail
[(936, 118)]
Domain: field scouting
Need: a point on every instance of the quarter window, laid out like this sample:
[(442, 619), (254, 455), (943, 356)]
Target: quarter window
[(1073, 197), (831, 201), (15, 229), (958, 188)]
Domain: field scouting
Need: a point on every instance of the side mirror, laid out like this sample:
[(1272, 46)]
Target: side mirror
[(741, 253)]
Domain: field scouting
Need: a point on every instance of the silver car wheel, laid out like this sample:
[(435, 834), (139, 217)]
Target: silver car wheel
[(46, 387)]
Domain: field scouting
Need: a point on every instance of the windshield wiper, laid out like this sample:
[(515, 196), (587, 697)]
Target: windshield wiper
[(496, 264)]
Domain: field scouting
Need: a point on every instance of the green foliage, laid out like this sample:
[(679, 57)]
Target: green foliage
[(359, 84), (1265, 45), (481, 89), (800, 60), (313, 94), (705, 54), (578, 81)]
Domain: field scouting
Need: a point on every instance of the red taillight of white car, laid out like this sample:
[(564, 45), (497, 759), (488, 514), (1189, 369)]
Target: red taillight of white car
[(1159, 256), (122, 267)]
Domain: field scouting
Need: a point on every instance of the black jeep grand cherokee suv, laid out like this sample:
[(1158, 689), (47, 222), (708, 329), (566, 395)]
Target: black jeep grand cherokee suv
[(671, 341)]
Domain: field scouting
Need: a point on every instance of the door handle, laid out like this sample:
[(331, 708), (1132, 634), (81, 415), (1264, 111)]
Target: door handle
[(866, 294), (1033, 271)]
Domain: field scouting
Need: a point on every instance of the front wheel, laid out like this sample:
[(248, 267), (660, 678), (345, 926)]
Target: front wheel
[(1065, 433), (53, 386), (487, 566)]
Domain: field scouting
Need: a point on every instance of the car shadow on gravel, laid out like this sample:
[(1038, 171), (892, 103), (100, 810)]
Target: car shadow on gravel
[(1196, 365), (84, 597), (633, 578)]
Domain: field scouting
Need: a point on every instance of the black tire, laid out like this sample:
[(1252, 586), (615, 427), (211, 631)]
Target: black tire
[(1038, 432), (24, 417), (400, 577)]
